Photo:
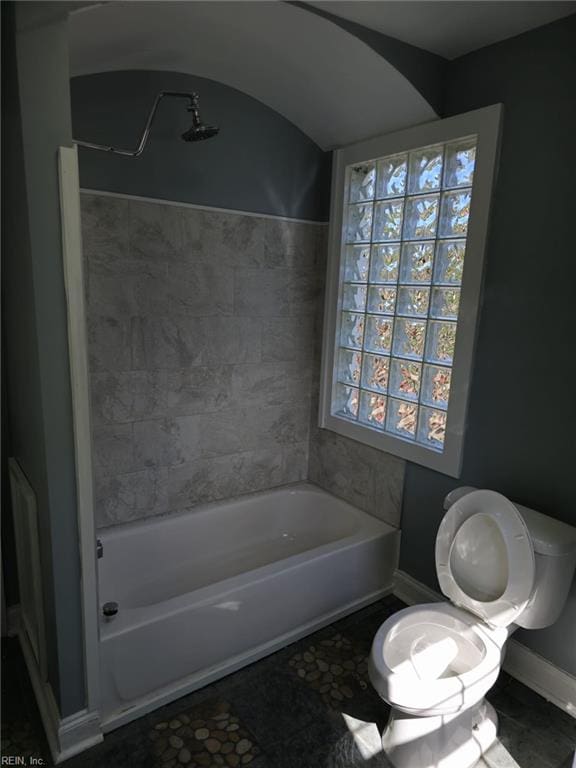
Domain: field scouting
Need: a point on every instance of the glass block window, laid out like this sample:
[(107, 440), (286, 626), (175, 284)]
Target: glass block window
[(407, 240), (405, 227)]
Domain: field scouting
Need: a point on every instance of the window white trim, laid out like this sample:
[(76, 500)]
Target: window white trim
[(485, 124)]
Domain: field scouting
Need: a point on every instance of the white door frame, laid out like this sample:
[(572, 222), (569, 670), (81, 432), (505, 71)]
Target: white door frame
[(79, 376)]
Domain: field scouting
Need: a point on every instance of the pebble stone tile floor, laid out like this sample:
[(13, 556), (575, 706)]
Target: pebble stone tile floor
[(309, 705)]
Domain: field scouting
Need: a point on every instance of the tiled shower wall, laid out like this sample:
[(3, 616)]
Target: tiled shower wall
[(201, 336), (365, 477)]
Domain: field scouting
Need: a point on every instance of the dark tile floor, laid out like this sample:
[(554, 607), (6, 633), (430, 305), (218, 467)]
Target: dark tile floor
[(307, 706)]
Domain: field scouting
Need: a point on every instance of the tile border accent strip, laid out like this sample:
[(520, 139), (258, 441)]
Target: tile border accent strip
[(554, 684), (177, 203)]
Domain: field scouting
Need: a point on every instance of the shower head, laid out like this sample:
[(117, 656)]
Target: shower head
[(198, 131)]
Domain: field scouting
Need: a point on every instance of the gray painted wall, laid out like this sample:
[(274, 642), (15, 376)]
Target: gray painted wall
[(38, 378), (17, 322), (259, 162), (200, 341), (520, 436)]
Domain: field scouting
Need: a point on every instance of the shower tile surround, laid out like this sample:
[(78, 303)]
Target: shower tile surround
[(203, 332), (200, 326)]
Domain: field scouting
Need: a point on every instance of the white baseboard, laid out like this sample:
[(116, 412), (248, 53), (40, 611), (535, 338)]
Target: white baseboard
[(66, 736), (77, 733), (536, 672), (411, 591)]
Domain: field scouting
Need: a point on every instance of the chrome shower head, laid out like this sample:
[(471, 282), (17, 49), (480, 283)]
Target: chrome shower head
[(198, 131)]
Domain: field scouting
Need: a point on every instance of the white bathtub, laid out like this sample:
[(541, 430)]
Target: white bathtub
[(203, 593)]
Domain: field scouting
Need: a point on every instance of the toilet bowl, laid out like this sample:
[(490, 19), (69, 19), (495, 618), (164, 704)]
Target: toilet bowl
[(435, 659), (434, 663)]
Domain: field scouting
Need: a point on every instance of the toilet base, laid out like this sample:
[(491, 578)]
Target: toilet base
[(441, 741)]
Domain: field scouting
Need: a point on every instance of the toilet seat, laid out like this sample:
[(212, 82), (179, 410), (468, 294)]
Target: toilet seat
[(460, 659), (434, 663), (481, 524)]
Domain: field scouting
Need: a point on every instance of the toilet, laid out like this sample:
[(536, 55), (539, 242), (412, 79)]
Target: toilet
[(501, 566)]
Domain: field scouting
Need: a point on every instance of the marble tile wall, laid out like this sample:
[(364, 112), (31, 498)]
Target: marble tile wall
[(201, 344), (204, 344), (363, 476)]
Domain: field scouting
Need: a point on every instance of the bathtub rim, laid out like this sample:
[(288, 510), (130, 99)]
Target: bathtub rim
[(369, 528), (140, 616), (122, 529)]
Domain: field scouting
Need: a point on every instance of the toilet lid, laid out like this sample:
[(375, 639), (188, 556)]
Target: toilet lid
[(485, 557)]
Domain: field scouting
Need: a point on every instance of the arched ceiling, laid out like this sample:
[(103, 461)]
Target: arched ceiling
[(331, 85), (446, 27)]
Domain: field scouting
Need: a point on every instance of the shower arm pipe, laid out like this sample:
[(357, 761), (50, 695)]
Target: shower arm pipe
[(192, 98)]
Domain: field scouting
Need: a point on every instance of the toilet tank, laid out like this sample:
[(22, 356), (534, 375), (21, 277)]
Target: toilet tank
[(555, 558)]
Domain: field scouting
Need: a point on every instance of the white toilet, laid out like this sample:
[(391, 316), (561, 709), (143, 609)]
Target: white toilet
[(501, 566)]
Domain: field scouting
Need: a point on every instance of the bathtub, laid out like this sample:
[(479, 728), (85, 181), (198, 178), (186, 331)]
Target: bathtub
[(203, 593)]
